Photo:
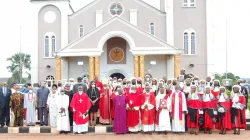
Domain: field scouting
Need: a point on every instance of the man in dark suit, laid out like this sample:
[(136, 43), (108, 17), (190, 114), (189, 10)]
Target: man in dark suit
[(5, 93), (243, 90), (79, 83)]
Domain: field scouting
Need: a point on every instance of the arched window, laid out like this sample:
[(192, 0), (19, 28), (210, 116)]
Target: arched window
[(53, 40), (152, 28), (189, 3), (46, 46), (81, 30), (192, 43), (185, 43), (189, 42)]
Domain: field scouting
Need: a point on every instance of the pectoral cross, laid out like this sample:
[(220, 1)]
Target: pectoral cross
[(80, 100)]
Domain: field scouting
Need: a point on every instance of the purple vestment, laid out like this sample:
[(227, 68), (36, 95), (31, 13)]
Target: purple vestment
[(120, 120)]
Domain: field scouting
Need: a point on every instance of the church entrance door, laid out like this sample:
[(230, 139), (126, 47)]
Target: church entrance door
[(117, 75)]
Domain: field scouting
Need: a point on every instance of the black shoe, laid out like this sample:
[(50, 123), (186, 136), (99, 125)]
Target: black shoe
[(2, 125), (61, 132)]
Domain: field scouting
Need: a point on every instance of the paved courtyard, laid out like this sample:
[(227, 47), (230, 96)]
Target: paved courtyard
[(244, 136)]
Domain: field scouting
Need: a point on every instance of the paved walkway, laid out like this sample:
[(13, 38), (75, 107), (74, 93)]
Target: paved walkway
[(244, 136)]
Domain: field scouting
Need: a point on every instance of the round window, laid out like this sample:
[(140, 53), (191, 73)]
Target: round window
[(116, 9)]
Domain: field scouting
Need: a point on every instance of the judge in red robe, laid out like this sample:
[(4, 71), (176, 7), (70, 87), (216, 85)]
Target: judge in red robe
[(133, 106), (80, 105), (209, 106), (148, 105), (238, 116), (215, 88), (104, 105), (224, 117), (195, 110)]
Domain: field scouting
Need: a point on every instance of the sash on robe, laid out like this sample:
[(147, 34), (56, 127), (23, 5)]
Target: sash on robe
[(180, 106)]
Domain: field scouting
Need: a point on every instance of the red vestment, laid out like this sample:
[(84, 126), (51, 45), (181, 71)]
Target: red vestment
[(99, 85), (215, 93), (241, 113), (226, 117), (133, 100), (127, 91), (139, 90), (104, 106), (194, 106), (112, 105), (81, 104), (148, 116)]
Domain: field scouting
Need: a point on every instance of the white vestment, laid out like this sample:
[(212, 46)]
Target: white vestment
[(30, 105), (52, 109), (62, 101), (177, 125), (164, 119)]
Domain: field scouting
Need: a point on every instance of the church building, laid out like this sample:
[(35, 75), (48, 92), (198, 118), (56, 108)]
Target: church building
[(122, 38)]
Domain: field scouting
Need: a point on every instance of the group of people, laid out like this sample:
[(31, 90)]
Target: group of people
[(173, 105)]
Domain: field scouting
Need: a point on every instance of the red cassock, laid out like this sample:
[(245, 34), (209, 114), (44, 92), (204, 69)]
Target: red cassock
[(127, 91), (241, 118), (133, 100), (112, 105), (99, 85), (148, 116), (81, 104), (195, 105), (104, 105), (139, 90), (208, 120), (226, 118)]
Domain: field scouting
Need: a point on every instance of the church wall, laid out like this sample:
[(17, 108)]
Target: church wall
[(107, 69), (158, 70), (139, 39), (78, 71), (87, 18), (43, 29), (195, 18)]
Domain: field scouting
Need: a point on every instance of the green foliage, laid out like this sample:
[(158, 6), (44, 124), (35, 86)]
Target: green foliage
[(228, 92), (19, 63), (229, 76)]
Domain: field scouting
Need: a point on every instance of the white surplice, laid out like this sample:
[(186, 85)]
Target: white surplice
[(62, 101), (30, 105), (52, 108), (164, 118), (177, 125)]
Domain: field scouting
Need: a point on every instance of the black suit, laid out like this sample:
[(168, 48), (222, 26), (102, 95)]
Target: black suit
[(4, 106), (245, 93)]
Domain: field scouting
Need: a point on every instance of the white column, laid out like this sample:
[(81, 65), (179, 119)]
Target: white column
[(170, 21), (170, 66), (99, 17), (64, 24), (163, 5), (64, 68), (133, 16)]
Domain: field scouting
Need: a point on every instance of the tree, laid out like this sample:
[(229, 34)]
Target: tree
[(19, 64), (229, 76)]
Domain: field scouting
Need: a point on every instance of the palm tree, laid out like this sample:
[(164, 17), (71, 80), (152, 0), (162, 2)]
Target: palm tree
[(19, 64)]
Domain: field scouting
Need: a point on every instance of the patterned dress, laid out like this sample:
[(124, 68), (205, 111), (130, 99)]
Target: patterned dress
[(16, 105)]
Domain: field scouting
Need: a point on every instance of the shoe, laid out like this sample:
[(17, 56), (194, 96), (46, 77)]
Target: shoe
[(2, 125)]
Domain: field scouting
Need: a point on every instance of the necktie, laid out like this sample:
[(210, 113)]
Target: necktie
[(4, 91)]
